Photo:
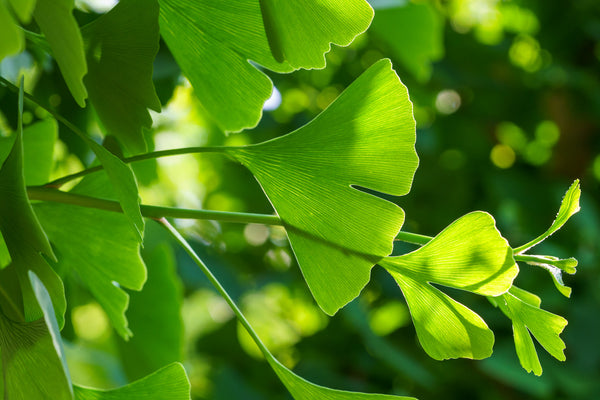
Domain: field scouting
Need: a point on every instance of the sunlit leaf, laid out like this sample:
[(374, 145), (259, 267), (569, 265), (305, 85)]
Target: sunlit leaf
[(57, 23), (13, 39), (229, 34), (38, 146), (365, 138), (154, 316), (33, 362), (168, 383), (99, 248), (414, 32), (568, 207), (471, 255), (23, 9), (523, 308), (121, 48)]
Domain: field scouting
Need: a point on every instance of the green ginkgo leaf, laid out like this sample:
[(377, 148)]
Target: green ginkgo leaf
[(229, 34), (13, 39), (470, 255), (568, 207), (38, 147), (57, 23), (100, 249), (23, 9), (33, 361), (121, 46), (523, 308), (365, 138), (168, 383)]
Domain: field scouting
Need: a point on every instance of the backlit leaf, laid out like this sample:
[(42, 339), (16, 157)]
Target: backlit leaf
[(38, 147), (229, 34), (57, 23), (365, 138), (13, 39), (122, 45), (470, 255), (168, 383), (523, 309)]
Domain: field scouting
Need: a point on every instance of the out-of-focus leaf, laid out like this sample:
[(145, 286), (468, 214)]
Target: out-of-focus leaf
[(365, 138), (230, 33), (122, 45), (23, 9), (471, 255), (568, 207), (33, 362), (38, 147), (154, 316), (55, 19), (415, 34), (100, 248), (12, 37), (4, 254), (168, 383), (523, 308)]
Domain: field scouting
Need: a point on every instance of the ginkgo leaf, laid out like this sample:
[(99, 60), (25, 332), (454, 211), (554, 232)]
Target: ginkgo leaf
[(229, 34), (415, 33), (33, 361), (568, 207), (523, 308), (13, 39), (300, 32), (38, 147), (168, 383), (365, 138), (57, 23), (23, 9), (100, 249), (121, 46), (470, 255), (24, 237)]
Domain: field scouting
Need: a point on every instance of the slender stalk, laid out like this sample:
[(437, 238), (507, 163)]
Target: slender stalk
[(413, 238), (213, 280)]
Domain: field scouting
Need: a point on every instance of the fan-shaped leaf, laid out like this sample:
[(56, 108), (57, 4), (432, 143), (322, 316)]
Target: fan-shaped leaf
[(122, 45), (55, 19), (168, 383), (38, 147), (471, 255), (231, 33), (365, 138)]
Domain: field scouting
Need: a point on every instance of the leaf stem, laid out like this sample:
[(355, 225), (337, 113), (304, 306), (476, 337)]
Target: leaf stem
[(413, 238)]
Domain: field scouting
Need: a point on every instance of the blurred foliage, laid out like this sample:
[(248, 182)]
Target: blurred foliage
[(507, 104)]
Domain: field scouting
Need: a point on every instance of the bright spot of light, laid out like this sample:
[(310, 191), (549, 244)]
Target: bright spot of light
[(447, 101), (99, 6), (274, 101), (503, 156)]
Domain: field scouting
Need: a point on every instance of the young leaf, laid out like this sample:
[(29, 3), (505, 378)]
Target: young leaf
[(100, 248), (523, 308), (122, 45), (470, 255), (568, 207), (55, 19), (230, 33), (365, 138), (300, 32), (33, 362), (168, 383)]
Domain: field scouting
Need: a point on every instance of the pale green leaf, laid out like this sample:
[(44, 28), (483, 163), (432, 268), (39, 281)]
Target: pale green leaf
[(56, 21), (13, 40), (414, 33), (365, 138), (38, 147), (33, 363), (470, 255), (527, 317), (229, 34), (168, 383), (568, 207), (121, 46), (100, 248), (300, 32), (154, 316)]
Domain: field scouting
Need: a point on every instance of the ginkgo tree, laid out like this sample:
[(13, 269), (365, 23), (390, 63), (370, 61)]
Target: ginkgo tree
[(324, 180)]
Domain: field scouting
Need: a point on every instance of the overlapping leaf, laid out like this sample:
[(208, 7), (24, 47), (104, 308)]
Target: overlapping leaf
[(121, 46), (231, 33), (470, 255), (168, 383), (365, 138), (33, 362), (38, 147), (100, 248), (57, 23), (523, 308)]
